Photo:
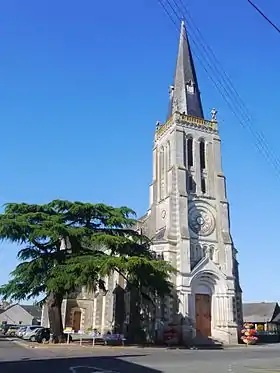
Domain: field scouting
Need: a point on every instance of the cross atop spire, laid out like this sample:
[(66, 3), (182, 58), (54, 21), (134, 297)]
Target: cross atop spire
[(184, 94)]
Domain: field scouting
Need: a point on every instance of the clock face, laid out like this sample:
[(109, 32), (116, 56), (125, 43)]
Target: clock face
[(201, 221)]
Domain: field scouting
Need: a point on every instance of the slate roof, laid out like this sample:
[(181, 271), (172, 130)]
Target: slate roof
[(183, 100), (143, 218), (160, 235), (260, 312), (277, 318), (8, 307), (34, 311)]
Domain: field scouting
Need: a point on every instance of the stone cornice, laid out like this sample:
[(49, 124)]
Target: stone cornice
[(187, 121)]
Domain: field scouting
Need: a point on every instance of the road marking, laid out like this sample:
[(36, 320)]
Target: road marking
[(92, 369), (264, 370)]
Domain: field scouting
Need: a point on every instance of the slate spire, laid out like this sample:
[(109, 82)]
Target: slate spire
[(184, 94)]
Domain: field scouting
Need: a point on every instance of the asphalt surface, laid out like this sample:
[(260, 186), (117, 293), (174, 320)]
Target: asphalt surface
[(75, 359)]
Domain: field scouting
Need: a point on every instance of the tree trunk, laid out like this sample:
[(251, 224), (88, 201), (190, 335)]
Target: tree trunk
[(119, 308), (54, 302), (136, 333)]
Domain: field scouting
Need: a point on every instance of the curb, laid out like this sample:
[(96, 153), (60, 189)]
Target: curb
[(21, 344), (100, 347), (63, 345), (76, 347)]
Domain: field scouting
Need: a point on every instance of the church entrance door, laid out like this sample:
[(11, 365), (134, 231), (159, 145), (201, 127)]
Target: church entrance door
[(77, 321), (203, 314)]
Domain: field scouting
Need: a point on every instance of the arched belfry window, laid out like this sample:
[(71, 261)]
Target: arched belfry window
[(202, 158), (161, 162), (161, 172), (168, 155), (202, 155), (203, 185), (190, 152)]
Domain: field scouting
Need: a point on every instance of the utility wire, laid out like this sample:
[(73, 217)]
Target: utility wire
[(218, 82), (225, 80), (264, 16), (260, 141)]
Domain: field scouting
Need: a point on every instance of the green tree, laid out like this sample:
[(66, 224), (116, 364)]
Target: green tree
[(64, 245)]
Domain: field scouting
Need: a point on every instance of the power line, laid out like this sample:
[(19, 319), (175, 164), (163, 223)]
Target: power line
[(225, 81), (264, 16), (224, 85)]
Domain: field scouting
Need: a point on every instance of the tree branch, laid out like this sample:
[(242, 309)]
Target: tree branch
[(130, 283)]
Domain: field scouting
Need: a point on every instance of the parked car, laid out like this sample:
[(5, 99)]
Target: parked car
[(21, 331), (11, 332), (30, 333), (43, 335), (6, 327)]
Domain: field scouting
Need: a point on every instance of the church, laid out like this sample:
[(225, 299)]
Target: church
[(187, 222), (188, 219)]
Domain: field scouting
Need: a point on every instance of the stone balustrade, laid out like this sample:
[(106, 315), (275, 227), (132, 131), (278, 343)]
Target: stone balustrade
[(188, 121)]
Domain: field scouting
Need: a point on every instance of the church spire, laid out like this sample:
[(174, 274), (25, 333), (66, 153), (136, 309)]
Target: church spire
[(184, 94)]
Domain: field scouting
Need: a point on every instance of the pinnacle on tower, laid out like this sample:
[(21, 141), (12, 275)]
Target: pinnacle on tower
[(184, 94)]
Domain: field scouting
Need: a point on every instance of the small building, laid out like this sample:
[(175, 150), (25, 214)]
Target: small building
[(266, 318), (20, 314)]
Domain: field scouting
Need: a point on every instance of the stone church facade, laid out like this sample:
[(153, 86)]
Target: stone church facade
[(188, 217), (187, 221), (84, 311)]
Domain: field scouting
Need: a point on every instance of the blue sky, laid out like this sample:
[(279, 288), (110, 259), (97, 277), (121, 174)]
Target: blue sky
[(82, 86)]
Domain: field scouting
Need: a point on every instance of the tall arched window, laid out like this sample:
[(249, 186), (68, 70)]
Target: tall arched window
[(185, 151), (161, 172), (203, 185), (190, 152), (202, 155), (168, 155), (161, 162)]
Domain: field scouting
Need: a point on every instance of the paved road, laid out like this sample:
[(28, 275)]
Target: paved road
[(15, 359)]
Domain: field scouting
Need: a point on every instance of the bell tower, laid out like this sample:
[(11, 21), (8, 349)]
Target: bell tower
[(188, 218)]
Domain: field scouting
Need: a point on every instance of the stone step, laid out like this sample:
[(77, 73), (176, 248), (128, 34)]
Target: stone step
[(206, 342)]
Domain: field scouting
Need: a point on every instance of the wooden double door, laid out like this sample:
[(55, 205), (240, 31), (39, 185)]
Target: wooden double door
[(203, 314), (76, 325)]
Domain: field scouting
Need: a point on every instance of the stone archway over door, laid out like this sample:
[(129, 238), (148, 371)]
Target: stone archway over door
[(77, 321), (203, 314)]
